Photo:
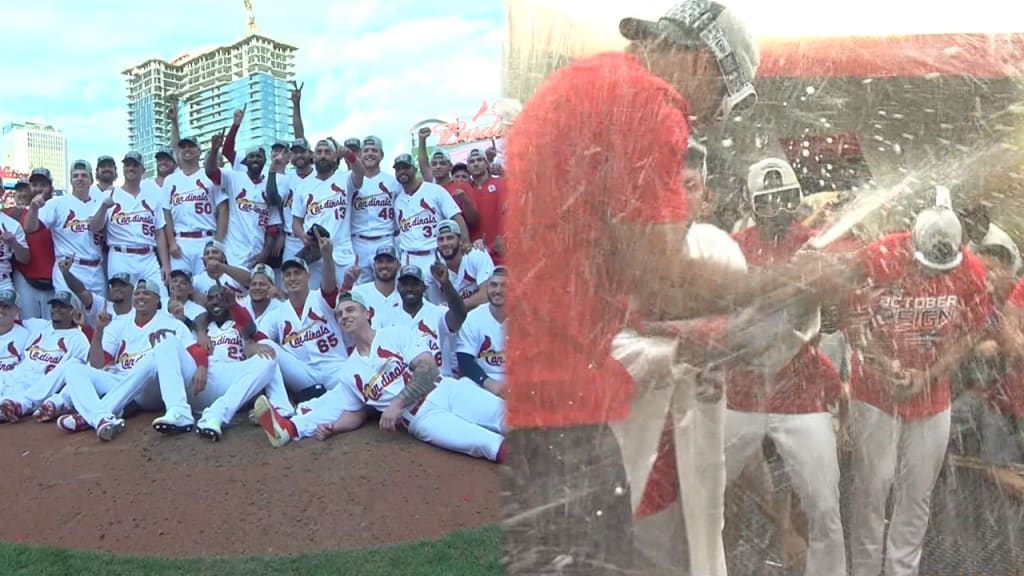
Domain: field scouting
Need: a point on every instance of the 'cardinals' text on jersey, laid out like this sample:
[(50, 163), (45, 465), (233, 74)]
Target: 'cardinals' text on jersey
[(191, 200), (373, 206), (67, 217), (378, 378), (134, 221), (417, 215), (48, 348), (326, 202), (12, 347), (431, 326), (483, 337), (311, 334), (475, 268), (125, 342), (248, 216), (228, 339)]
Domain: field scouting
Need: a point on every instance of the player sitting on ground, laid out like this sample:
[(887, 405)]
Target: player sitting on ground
[(239, 366), (139, 351), (119, 293), (392, 371), (481, 347), (262, 297), (181, 302), (436, 325), (217, 271), (44, 360)]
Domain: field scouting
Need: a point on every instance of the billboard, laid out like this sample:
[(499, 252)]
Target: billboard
[(484, 128)]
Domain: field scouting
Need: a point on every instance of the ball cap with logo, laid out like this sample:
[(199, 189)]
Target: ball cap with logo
[(403, 160), (151, 286), (294, 263), (386, 250), (63, 298), (264, 269), (937, 234), (411, 271), (448, 227), (8, 297), (41, 173), (353, 297), (122, 277), (703, 24)]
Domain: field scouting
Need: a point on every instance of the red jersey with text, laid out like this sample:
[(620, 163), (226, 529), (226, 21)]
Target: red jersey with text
[(616, 136), (914, 316), (809, 382)]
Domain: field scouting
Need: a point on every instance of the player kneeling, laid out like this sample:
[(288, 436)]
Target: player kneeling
[(391, 370), (239, 366)]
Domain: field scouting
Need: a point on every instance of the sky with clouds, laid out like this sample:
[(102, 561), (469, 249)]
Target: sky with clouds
[(369, 66)]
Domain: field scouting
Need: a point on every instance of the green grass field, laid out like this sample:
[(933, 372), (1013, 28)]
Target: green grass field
[(469, 553)]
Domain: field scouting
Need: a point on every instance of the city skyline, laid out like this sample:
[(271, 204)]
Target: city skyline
[(372, 68), (30, 145)]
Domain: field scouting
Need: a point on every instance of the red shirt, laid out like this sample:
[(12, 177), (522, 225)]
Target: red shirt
[(489, 201), (40, 247), (466, 187), (809, 382), (1008, 396), (914, 316), (601, 140)]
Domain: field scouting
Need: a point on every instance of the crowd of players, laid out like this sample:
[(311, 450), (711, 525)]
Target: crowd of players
[(311, 284)]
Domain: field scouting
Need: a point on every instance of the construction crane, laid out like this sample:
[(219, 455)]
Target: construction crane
[(250, 26)]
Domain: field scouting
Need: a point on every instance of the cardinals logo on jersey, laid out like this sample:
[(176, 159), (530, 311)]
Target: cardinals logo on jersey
[(425, 330), (121, 218), (248, 205), (334, 202), (126, 360), (425, 217), (198, 194), (75, 224), (489, 355), (373, 201), (394, 368), (468, 286), (10, 359), (50, 358), (318, 328)]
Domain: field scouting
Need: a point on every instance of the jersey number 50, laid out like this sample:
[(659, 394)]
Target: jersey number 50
[(203, 208)]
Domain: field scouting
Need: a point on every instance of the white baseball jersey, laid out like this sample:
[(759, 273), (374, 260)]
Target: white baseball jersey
[(373, 206), (474, 269), (261, 319), (189, 308), (289, 187), (203, 282), (8, 224), (326, 202), (133, 221), (381, 308), (50, 347), (378, 378), (67, 217), (312, 334), (228, 343), (248, 214), (125, 342), (12, 346), (431, 326), (483, 337), (101, 304), (191, 200), (418, 213)]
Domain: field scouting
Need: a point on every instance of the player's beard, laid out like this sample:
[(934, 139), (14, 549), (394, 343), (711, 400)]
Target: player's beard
[(323, 166)]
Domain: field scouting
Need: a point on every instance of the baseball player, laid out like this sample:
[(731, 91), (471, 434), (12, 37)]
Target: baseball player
[(468, 271), (790, 408), (295, 183), (439, 170), (106, 173), (437, 325), (13, 336), (13, 248), (325, 201), (33, 281), (391, 371), (489, 198), (67, 218), (481, 346), (196, 210), (309, 343), (165, 166), (132, 216), (180, 302), (373, 209), (925, 302), (217, 271), (418, 210), (40, 374), (248, 213), (119, 293), (141, 358), (381, 296), (261, 299), (239, 366)]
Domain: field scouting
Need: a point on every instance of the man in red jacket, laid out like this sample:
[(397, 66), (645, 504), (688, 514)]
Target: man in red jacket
[(33, 281), (603, 238)]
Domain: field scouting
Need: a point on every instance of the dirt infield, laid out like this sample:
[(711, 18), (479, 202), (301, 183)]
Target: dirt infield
[(182, 496)]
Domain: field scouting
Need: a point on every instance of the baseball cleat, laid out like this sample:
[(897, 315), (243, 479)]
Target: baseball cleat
[(173, 424), (209, 429), (252, 418), (109, 428), (10, 411), (279, 429), (71, 423), (46, 412)]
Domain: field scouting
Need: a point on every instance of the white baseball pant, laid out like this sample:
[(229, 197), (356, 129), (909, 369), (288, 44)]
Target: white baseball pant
[(230, 385), (663, 383), (90, 275), (424, 262), (299, 375), (34, 303), (29, 389), (243, 256), (158, 379), (137, 265), (316, 272), (192, 247), (462, 417), (882, 443), (365, 248), (807, 444)]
